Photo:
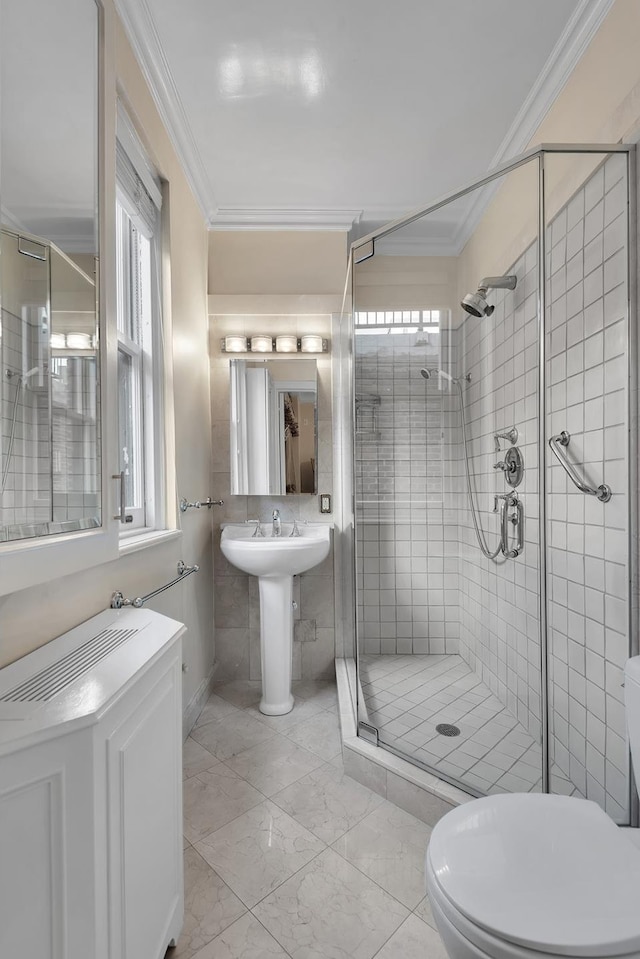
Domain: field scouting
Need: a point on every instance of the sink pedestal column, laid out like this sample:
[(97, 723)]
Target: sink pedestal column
[(276, 643)]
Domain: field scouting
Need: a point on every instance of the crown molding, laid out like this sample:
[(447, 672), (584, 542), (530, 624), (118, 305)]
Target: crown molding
[(572, 43), (262, 218), (143, 36), (141, 31)]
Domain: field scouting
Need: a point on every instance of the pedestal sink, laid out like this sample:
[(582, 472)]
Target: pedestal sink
[(275, 560)]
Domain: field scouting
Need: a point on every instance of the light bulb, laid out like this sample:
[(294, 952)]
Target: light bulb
[(261, 343), (311, 343), (286, 343), (234, 343)]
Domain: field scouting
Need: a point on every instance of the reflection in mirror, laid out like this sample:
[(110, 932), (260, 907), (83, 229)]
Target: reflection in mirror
[(49, 379), (274, 414)]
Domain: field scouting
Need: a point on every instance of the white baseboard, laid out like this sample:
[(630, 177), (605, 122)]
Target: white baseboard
[(196, 705)]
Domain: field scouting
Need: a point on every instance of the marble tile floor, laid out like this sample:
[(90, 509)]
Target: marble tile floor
[(285, 855), (406, 697)]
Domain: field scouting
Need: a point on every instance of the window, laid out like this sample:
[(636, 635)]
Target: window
[(397, 321), (139, 325)]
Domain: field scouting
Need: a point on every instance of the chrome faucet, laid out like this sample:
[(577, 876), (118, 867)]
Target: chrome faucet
[(277, 523)]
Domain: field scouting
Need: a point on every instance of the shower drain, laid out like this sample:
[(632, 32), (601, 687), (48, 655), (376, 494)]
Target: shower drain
[(447, 729)]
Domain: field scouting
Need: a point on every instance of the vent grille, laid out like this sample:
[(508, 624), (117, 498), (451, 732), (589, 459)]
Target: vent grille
[(46, 684)]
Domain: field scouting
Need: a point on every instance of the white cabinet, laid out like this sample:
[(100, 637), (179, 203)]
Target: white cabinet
[(90, 793)]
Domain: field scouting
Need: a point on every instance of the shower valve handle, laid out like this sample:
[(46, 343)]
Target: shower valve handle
[(511, 435)]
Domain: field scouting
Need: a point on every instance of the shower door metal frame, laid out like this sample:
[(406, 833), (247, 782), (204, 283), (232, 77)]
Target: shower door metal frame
[(364, 248)]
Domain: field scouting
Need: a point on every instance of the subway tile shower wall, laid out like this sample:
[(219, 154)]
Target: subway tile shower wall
[(424, 586), (588, 562), (406, 429), (499, 627), (52, 469), (26, 493)]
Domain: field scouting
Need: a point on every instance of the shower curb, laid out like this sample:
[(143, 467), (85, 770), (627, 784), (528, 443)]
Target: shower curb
[(417, 792)]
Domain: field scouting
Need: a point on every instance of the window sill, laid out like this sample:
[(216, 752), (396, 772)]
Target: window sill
[(138, 541)]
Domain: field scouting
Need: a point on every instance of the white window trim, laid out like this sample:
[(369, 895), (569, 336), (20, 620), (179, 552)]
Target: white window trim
[(154, 412), (134, 543)]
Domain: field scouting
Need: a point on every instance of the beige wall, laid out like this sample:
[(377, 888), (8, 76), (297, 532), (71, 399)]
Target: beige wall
[(34, 616), (406, 283), (271, 261)]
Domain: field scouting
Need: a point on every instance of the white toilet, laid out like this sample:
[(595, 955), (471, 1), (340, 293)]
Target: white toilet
[(527, 876)]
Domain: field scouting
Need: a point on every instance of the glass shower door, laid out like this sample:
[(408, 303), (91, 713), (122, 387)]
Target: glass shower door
[(448, 627)]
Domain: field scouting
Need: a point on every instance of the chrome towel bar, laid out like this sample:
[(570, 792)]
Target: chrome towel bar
[(118, 601), (208, 502), (603, 492)]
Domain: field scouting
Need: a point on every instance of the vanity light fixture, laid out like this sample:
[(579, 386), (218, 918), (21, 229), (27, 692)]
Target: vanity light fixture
[(78, 341), (286, 343), (282, 343), (311, 343), (234, 343), (71, 341), (262, 343)]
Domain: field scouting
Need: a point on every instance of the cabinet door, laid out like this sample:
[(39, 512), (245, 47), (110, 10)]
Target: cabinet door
[(47, 891), (145, 818)]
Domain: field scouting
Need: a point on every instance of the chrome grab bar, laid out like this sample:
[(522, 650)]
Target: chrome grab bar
[(208, 502), (603, 492), (118, 600)]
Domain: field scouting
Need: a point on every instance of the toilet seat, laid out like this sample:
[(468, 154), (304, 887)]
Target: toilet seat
[(538, 874)]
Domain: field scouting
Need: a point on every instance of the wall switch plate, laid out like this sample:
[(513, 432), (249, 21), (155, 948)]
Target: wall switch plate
[(325, 502)]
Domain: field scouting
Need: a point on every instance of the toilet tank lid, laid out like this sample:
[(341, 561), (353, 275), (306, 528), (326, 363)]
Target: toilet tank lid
[(552, 873)]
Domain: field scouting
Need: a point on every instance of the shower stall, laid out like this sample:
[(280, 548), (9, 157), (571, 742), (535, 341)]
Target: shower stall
[(493, 367)]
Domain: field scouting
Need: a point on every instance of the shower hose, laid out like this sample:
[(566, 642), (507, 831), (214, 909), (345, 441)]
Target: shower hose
[(476, 523)]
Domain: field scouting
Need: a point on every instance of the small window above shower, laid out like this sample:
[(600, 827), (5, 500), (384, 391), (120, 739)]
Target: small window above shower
[(379, 322)]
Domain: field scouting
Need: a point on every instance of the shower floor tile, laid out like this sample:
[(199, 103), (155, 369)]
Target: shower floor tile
[(408, 696)]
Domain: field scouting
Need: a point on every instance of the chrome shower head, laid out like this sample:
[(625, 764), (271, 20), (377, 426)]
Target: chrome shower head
[(440, 373), (476, 303)]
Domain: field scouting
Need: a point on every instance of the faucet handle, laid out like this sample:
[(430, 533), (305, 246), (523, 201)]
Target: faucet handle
[(295, 531), (511, 435)]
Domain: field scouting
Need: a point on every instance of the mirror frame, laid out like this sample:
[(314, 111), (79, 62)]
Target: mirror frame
[(25, 563)]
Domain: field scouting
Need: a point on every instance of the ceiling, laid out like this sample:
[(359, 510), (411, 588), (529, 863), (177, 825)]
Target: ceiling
[(307, 114)]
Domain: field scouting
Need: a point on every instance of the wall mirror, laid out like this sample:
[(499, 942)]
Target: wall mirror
[(274, 413), (50, 472)]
